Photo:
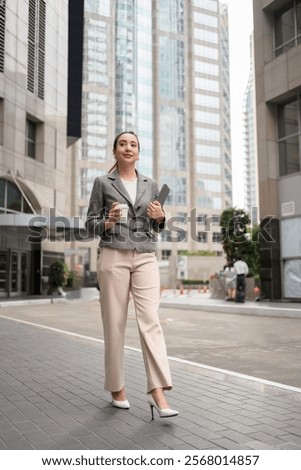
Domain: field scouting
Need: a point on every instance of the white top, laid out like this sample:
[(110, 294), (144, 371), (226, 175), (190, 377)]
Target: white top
[(230, 273), (241, 267), (131, 187)]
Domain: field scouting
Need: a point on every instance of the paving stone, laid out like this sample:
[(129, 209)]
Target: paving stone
[(227, 444), (235, 436), (260, 436), (96, 443), (19, 444), (258, 445), (271, 431), (287, 446), (239, 427)]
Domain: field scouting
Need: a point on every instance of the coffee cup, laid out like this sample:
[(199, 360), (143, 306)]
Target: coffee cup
[(124, 209)]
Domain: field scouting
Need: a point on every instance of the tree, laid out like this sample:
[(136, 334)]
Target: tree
[(239, 240)]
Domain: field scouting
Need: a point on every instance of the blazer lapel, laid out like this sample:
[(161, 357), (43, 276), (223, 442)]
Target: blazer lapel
[(117, 184), (141, 186)]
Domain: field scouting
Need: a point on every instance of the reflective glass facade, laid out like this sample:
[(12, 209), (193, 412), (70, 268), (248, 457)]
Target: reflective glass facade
[(172, 134), (100, 7), (212, 143), (95, 127), (96, 86), (158, 67), (250, 153), (172, 141), (124, 65), (171, 76), (134, 75), (171, 16), (144, 84)]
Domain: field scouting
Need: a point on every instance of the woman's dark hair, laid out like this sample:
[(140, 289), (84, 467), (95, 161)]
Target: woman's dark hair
[(125, 132)]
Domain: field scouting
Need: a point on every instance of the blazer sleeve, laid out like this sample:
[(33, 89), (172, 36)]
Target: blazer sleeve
[(95, 221)]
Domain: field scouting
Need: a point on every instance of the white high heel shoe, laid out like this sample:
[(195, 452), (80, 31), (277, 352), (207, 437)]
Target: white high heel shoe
[(122, 404), (163, 412)]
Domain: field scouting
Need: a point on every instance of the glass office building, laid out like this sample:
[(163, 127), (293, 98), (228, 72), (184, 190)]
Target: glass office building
[(250, 151), (161, 69)]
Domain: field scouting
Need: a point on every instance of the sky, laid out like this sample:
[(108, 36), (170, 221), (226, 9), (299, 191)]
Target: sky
[(240, 13)]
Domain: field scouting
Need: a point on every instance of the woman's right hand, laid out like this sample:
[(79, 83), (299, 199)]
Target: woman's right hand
[(114, 213), (113, 216)]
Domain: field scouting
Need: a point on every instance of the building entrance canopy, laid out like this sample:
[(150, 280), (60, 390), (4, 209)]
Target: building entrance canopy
[(42, 227)]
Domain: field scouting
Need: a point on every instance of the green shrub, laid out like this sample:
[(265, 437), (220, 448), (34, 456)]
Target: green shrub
[(58, 273)]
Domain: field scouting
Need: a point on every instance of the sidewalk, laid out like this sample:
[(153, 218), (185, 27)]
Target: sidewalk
[(195, 300), (52, 397), (192, 300)]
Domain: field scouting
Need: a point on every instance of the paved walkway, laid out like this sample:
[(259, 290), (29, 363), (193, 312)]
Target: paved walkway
[(190, 299), (51, 397), (203, 302)]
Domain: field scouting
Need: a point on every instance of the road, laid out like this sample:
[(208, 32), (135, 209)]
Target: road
[(264, 347)]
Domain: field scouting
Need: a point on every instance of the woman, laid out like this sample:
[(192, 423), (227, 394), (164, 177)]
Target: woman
[(230, 281), (127, 264)]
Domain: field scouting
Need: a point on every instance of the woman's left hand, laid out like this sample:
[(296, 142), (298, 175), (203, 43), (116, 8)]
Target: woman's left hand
[(155, 211)]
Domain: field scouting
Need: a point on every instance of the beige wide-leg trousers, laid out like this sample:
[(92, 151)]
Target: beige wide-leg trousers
[(119, 273)]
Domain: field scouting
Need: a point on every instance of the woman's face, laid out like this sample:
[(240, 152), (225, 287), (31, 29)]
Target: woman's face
[(127, 149)]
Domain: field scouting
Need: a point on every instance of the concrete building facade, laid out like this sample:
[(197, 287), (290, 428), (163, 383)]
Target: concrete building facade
[(277, 46), (35, 163)]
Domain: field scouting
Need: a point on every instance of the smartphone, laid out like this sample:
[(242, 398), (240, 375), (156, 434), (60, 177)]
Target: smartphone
[(163, 194)]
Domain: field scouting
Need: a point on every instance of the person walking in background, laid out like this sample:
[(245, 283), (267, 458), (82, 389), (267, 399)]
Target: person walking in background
[(124, 212), (230, 281), (241, 269)]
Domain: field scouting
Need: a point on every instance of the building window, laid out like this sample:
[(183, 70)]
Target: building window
[(289, 134), (208, 168), (36, 47), (171, 68), (96, 52), (2, 34), (171, 16), (100, 8), (207, 20), (287, 27), (11, 199), (95, 127), (173, 138), (30, 139), (166, 254), (205, 35), (202, 237), (178, 193), (216, 237), (210, 185), (87, 177), (206, 4)]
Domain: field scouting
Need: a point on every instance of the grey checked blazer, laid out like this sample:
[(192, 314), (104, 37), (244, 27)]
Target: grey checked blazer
[(138, 232)]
